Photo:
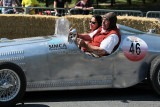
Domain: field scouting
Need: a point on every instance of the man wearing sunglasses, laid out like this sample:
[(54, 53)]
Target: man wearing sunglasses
[(107, 38)]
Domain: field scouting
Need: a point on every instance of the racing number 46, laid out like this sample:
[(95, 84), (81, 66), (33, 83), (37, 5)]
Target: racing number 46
[(132, 49)]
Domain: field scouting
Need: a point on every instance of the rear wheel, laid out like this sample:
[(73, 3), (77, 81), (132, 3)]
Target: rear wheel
[(12, 84), (155, 74)]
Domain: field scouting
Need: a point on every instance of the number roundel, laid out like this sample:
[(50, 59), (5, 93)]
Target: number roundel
[(134, 49)]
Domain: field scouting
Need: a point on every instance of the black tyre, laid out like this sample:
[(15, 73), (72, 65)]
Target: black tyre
[(155, 74), (12, 84)]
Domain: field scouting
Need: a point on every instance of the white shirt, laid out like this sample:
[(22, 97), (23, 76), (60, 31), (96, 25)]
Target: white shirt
[(109, 43)]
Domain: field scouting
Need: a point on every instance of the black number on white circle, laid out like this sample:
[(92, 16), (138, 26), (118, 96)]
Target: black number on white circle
[(138, 49)]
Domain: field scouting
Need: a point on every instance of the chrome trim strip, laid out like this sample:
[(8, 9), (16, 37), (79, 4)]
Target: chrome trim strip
[(69, 83)]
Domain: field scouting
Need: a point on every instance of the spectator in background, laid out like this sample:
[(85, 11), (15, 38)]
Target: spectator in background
[(60, 4), (29, 3), (8, 3), (84, 7)]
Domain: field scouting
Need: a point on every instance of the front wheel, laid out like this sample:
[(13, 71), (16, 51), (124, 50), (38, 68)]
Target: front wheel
[(12, 84)]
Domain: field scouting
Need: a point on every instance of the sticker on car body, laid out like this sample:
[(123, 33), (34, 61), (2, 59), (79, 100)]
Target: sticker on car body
[(134, 48), (57, 44)]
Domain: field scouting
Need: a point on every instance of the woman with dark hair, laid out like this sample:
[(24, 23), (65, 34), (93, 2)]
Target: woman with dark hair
[(94, 24), (97, 21)]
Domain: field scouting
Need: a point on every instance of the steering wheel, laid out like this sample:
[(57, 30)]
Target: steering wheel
[(72, 36)]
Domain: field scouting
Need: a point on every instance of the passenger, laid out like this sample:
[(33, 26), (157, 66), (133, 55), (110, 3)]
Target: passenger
[(94, 24), (107, 38), (84, 7)]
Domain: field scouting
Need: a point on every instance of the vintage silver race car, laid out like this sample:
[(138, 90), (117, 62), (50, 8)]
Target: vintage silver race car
[(56, 63)]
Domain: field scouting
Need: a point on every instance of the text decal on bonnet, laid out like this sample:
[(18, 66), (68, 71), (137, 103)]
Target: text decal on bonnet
[(57, 46)]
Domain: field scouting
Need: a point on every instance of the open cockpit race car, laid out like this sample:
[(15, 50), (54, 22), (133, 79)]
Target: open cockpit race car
[(56, 63)]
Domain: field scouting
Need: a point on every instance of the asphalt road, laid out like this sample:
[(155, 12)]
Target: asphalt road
[(140, 95)]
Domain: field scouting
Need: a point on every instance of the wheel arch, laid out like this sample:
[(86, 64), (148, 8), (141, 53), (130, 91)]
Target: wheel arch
[(10, 63), (13, 65)]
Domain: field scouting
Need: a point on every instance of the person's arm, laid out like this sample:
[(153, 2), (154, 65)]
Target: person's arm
[(85, 37), (78, 7), (89, 36), (95, 50), (89, 8), (92, 49)]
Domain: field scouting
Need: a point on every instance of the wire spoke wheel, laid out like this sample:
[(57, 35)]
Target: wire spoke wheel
[(9, 85), (12, 84)]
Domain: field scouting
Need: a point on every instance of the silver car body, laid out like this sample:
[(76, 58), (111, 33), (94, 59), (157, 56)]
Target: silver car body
[(55, 63)]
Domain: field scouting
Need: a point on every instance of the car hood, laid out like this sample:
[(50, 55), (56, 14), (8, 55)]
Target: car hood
[(7, 42)]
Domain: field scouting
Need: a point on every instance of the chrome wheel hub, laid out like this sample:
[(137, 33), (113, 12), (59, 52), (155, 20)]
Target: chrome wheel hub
[(9, 85)]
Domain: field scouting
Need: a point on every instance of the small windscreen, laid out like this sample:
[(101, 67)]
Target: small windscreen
[(62, 27)]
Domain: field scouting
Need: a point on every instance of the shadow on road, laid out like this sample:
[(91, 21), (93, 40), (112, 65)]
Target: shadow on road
[(32, 105), (139, 92)]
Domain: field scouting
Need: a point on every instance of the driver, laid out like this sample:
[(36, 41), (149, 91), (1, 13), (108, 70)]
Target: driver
[(107, 38)]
